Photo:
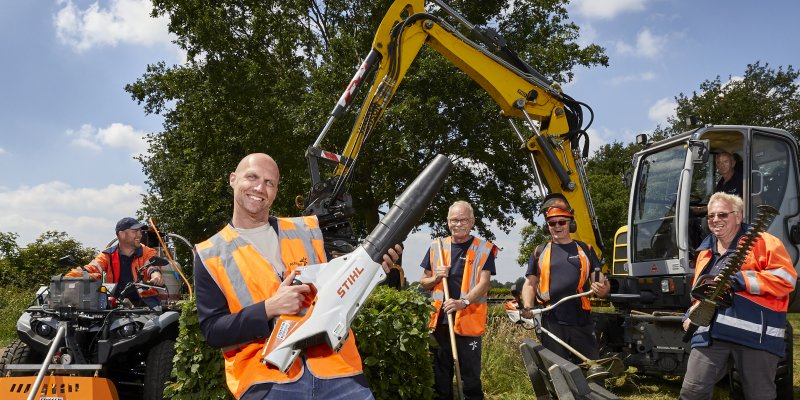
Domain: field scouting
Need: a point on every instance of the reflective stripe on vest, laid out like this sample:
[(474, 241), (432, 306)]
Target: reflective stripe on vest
[(246, 278), (472, 320), (544, 275)]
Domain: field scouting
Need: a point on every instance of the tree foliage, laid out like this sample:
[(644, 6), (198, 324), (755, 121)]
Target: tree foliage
[(762, 97), (263, 76), (35, 263)]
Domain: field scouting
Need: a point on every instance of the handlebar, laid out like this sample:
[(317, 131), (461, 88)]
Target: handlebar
[(552, 306)]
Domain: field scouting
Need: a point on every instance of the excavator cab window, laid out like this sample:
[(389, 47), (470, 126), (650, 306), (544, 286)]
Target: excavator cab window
[(772, 174), (654, 205)]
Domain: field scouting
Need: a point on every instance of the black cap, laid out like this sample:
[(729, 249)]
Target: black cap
[(129, 223)]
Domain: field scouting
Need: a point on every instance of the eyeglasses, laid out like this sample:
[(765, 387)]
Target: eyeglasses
[(560, 222), (720, 215), (459, 221)]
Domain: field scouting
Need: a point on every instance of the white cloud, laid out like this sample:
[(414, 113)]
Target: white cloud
[(588, 35), (607, 9), (3, 151), (662, 109), (122, 21), (647, 45), (86, 214), (116, 135), (644, 76)]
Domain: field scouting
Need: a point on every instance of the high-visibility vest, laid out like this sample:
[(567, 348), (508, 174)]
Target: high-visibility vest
[(470, 321), (757, 318), (245, 278), (544, 275)]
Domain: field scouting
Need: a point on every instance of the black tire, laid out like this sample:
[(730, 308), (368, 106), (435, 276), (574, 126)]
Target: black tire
[(18, 353), (158, 369)]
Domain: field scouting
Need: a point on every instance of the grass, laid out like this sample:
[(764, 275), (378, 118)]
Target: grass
[(504, 375)]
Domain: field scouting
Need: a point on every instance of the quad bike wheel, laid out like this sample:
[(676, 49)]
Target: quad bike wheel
[(18, 353), (159, 367)]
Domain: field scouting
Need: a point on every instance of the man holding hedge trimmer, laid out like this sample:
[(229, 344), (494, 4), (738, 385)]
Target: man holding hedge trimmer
[(458, 270)]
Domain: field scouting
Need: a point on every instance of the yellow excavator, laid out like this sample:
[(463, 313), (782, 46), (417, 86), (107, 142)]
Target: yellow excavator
[(547, 120)]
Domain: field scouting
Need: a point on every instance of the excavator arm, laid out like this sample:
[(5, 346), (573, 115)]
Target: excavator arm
[(552, 121)]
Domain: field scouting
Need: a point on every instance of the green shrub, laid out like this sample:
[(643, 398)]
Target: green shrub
[(501, 292), (198, 371), (13, 301), (392, 336)]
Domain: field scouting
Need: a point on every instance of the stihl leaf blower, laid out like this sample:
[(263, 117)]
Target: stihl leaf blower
[(344, 284)]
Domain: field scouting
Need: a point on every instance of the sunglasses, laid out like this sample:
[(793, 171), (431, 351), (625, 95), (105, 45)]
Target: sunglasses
[(720, 215), (561, 222)]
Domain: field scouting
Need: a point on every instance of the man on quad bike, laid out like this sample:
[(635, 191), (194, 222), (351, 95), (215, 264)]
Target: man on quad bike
[(121, 264)]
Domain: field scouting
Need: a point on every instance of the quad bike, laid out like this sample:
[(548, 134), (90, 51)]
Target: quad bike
[(80, 343)]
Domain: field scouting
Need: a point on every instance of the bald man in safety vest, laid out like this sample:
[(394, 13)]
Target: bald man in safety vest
[(244, 281), (563, 267)]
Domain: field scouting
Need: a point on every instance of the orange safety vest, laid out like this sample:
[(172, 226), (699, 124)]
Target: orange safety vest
[(470, 321), (544, 275), (246, 278)]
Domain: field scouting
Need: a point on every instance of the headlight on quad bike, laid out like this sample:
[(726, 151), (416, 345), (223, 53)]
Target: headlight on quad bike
[(127, 330), (44, 330)]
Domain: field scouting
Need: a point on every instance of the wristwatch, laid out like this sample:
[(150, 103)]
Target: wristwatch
[(466, 302)]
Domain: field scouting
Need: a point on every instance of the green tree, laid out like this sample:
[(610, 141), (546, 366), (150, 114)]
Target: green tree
[(532, 236), (606, 170), (10, 261), (763, 97), (263, 76), (40, 258)]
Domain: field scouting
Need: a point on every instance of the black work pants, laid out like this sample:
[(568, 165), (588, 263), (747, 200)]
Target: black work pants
[(581, 338), (469, 357)]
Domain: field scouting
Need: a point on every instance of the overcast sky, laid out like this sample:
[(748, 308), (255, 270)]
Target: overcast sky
[(69, 132)]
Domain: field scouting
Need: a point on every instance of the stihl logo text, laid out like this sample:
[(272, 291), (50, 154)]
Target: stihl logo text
[(349, 281)]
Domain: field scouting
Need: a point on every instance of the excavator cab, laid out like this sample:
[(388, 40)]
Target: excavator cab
[(654, 255), (674, 178)]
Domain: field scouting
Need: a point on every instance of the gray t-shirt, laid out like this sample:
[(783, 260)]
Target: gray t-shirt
[(265, 240)]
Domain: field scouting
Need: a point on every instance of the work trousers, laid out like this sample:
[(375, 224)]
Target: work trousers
[(581, 338), (469, 357), (309, 387), (707, 365)]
